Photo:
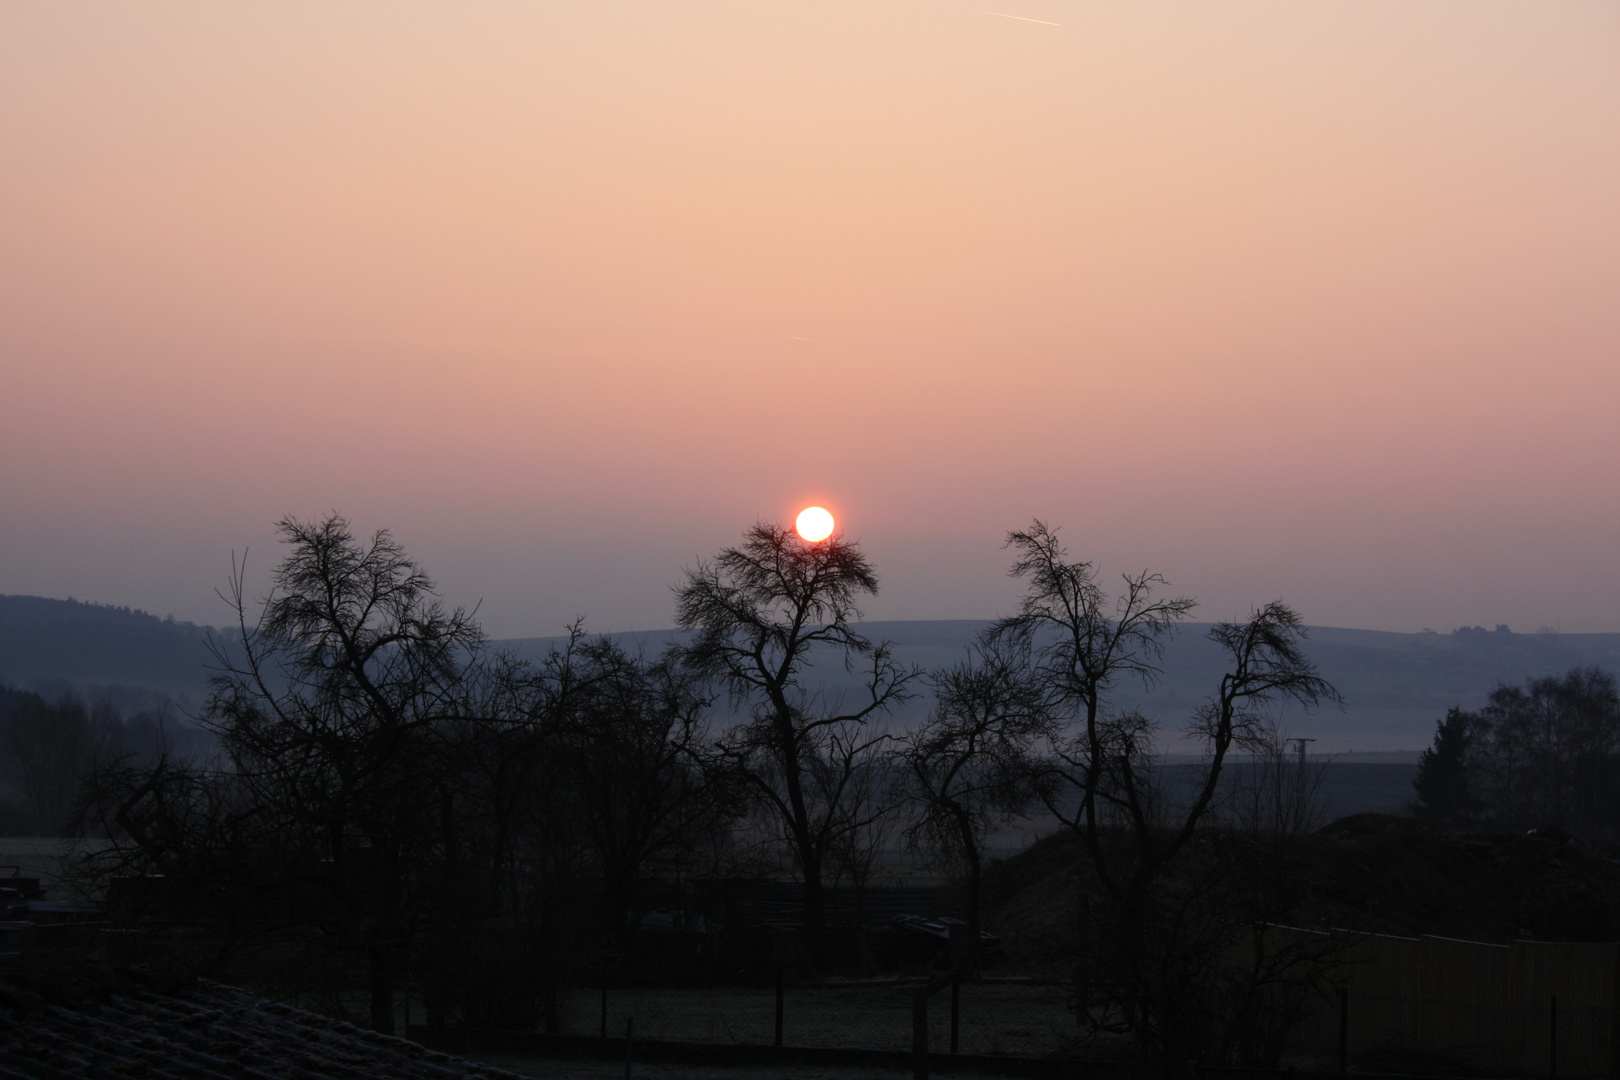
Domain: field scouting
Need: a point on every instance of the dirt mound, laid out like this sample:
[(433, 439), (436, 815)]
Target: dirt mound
[(1396, 875), (1378, 873)]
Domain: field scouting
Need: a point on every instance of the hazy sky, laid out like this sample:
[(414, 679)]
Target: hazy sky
[(1319, 301)]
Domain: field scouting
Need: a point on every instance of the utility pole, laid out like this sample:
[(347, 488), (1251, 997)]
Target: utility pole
[(1300, 813)]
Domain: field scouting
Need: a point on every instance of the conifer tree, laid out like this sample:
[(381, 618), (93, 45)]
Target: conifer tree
[(1443, 793)]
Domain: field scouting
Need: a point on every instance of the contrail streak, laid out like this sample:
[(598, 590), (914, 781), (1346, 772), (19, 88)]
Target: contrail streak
[(796, 337), (1020, 18)]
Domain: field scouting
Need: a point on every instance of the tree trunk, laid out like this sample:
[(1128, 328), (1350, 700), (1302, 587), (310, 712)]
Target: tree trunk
[(381, 975), (815, 910), (809, 855), (970, 963)]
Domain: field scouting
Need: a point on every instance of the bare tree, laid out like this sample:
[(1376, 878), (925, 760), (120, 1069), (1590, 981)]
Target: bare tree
[(970, 765), (408, 803), (1102, 781), (188, 845), (871, 798), (1268, 975), (758, 614), (331, 714), (1083, 646), (630, 735)]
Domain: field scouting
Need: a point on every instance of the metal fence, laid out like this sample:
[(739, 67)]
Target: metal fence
[(1014, 1018), (1533, 1009)]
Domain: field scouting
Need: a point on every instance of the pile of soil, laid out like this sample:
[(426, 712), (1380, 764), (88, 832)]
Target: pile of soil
[(1376, 873), (1397, 875)]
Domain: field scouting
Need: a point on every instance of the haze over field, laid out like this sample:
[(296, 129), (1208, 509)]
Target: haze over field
[(1311, 301), (1396, 686)]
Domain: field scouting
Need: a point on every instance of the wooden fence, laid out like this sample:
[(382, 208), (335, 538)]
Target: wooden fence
[(1529, 1009)]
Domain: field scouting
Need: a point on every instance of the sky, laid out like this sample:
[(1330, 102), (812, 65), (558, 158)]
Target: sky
[(1310, 301)]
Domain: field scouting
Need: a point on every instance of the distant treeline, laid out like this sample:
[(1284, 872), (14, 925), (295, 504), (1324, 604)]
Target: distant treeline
[(71, 644), (1394, 685), (49, 748), (1545, 756)]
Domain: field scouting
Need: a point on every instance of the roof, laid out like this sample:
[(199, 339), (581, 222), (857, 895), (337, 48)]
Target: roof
[(92, 1023)]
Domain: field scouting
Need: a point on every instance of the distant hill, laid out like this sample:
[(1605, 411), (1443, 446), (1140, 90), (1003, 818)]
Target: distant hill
[(1395, 685), (57, 645)]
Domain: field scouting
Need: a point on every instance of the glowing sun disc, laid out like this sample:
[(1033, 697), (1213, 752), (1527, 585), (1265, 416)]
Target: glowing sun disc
[(814, 524)]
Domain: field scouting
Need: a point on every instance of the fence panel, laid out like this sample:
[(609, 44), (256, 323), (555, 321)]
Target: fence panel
[(1416, 1002)]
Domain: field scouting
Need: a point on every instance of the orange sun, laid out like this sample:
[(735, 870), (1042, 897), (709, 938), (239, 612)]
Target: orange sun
[(814, 524)]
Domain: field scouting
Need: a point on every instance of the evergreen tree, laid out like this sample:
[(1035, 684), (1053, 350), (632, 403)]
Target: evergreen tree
[(1443, 794)]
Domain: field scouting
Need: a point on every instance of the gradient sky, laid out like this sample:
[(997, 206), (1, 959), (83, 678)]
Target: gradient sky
[(1319, 301)]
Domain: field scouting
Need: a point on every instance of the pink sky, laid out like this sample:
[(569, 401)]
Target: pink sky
[(1319, 301)]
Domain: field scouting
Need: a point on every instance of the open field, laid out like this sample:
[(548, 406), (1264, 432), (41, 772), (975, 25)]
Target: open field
[(1352, 784), (45, 858)]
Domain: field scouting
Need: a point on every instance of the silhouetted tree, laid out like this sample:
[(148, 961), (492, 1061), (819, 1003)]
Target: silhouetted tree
[(1545, 753), (757, 614), (332, 716), (398, 798), (188, 845), (1242, 898), (1145, 968), (631, 739), (1443, 792), (970, 765)]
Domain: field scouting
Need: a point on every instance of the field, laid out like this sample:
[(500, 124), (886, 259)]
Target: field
[(1373, 783), (44, 858)]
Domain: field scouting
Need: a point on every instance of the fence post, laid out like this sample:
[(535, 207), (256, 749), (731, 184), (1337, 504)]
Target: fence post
[(779, 996), (629, 1045), (919, 1036), (1552, 1040), (1344, 1029), (956, 1009)]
